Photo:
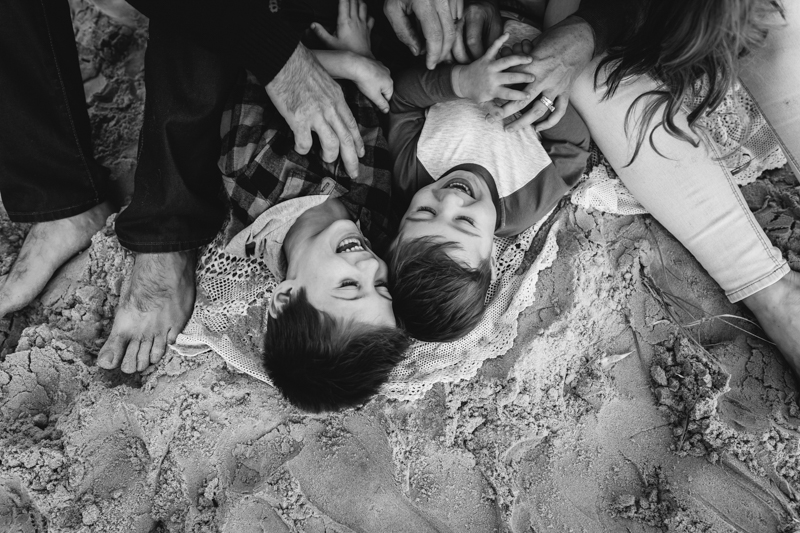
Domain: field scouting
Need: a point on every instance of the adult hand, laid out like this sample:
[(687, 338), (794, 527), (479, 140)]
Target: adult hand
[(480, 26), (559, 56), (437, 18), (308, 98)]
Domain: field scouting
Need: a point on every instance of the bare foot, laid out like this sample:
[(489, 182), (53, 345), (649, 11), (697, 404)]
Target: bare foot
[(48, 246), (778, 311), (153, 311)]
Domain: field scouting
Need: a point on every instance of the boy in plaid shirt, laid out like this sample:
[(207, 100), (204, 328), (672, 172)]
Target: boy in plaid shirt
[(331, 337)]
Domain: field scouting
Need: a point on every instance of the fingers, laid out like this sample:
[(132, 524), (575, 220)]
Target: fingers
[(172, 336), (402, 26), (527, 47), (344, 10), (512, 78), (355, 10), (512, 94), (348, 140), (302, 139), (505, 51), (328, 39), (491, 53), (555, 117), (508, 62), (537, 110), (328, 140), (434, 28), (370, 23), (459, 47), (456, 9), (474, 23)]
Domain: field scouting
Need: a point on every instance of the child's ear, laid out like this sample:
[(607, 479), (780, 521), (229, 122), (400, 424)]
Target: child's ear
[(280, 297), (493, 262)]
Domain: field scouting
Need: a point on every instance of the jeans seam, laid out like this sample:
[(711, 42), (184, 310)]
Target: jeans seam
[(740, 201), (64, 95)]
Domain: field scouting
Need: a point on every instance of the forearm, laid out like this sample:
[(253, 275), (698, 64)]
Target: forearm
[(338, 63), (246, 31), (419, 88)]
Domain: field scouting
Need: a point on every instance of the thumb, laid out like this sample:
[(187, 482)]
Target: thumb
[(323, 35)]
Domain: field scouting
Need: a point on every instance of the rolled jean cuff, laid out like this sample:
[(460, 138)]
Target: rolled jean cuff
[(165, 247), (56, 214), (749, 290)]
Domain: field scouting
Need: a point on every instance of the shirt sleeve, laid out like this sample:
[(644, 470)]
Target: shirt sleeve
[(609, 19), (415, 91), (246, 31), (567, 144)]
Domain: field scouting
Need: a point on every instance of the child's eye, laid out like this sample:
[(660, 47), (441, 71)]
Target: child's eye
[(428, 209), (468, 219), (349, 283)]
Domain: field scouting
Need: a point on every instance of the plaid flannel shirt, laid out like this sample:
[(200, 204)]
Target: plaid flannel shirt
[(261, 169)]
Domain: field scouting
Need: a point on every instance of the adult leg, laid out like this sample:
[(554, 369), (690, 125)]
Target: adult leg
[(48, 175), (178, 203), (772, 75), (692, 194)]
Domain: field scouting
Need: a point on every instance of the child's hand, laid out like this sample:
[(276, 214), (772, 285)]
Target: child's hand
[(352, 29), (488, 77), (373, 79)]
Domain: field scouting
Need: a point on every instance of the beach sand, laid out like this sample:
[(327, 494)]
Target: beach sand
[(605, 416)]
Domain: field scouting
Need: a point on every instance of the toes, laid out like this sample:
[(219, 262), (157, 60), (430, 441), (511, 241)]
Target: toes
[(143, 357), (129, 362), (112, 352), (172, 336), (158, 349)]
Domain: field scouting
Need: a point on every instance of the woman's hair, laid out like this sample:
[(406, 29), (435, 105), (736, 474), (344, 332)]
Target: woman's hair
[(679, 42)]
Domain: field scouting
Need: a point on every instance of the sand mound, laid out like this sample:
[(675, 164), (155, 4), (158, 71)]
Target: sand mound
[(605, 416)]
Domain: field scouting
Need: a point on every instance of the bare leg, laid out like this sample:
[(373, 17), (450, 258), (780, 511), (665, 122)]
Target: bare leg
[(153, 311), (777, 308), (48, 246)]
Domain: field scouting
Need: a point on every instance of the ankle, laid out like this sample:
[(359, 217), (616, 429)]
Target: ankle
[(775, 295)]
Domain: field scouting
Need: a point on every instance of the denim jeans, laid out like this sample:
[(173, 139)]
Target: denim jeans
[(687, 189), (47, 170)]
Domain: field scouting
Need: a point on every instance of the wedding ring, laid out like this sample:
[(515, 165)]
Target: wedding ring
[(547, 102)]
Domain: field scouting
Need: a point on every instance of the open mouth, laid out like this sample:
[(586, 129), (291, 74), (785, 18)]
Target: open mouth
[(462, 185), (351, 244)]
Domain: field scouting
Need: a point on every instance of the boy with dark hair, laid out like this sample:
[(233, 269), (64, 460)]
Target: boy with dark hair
[(331, 337), (462, 179)]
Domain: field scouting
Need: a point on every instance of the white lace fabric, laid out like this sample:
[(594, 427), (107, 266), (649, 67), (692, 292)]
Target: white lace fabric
[(233, 292)]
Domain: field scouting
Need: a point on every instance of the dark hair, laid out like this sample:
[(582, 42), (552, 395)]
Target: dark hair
[(436, 298), (679, 42), (323, 364)]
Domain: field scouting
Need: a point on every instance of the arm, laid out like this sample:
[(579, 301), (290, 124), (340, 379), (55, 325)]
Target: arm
[(416, 90), (371, 77)]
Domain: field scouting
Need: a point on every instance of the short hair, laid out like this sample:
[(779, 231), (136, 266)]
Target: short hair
[(321, 364), (436, 298)]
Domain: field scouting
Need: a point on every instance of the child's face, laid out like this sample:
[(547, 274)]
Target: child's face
[(457, 208), (329, 257)]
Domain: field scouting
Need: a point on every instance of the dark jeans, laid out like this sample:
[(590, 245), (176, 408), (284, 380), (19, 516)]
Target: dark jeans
[(47, 170)]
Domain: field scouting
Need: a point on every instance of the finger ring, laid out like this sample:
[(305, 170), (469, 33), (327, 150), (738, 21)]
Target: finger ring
[(547, 102)]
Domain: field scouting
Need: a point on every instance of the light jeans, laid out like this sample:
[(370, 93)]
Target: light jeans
[(690, 192)]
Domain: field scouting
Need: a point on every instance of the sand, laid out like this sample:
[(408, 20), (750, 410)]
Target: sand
[(606, 415)]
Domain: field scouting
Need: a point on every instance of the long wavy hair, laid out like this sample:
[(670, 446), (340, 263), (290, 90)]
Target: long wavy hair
[(678, 42)]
